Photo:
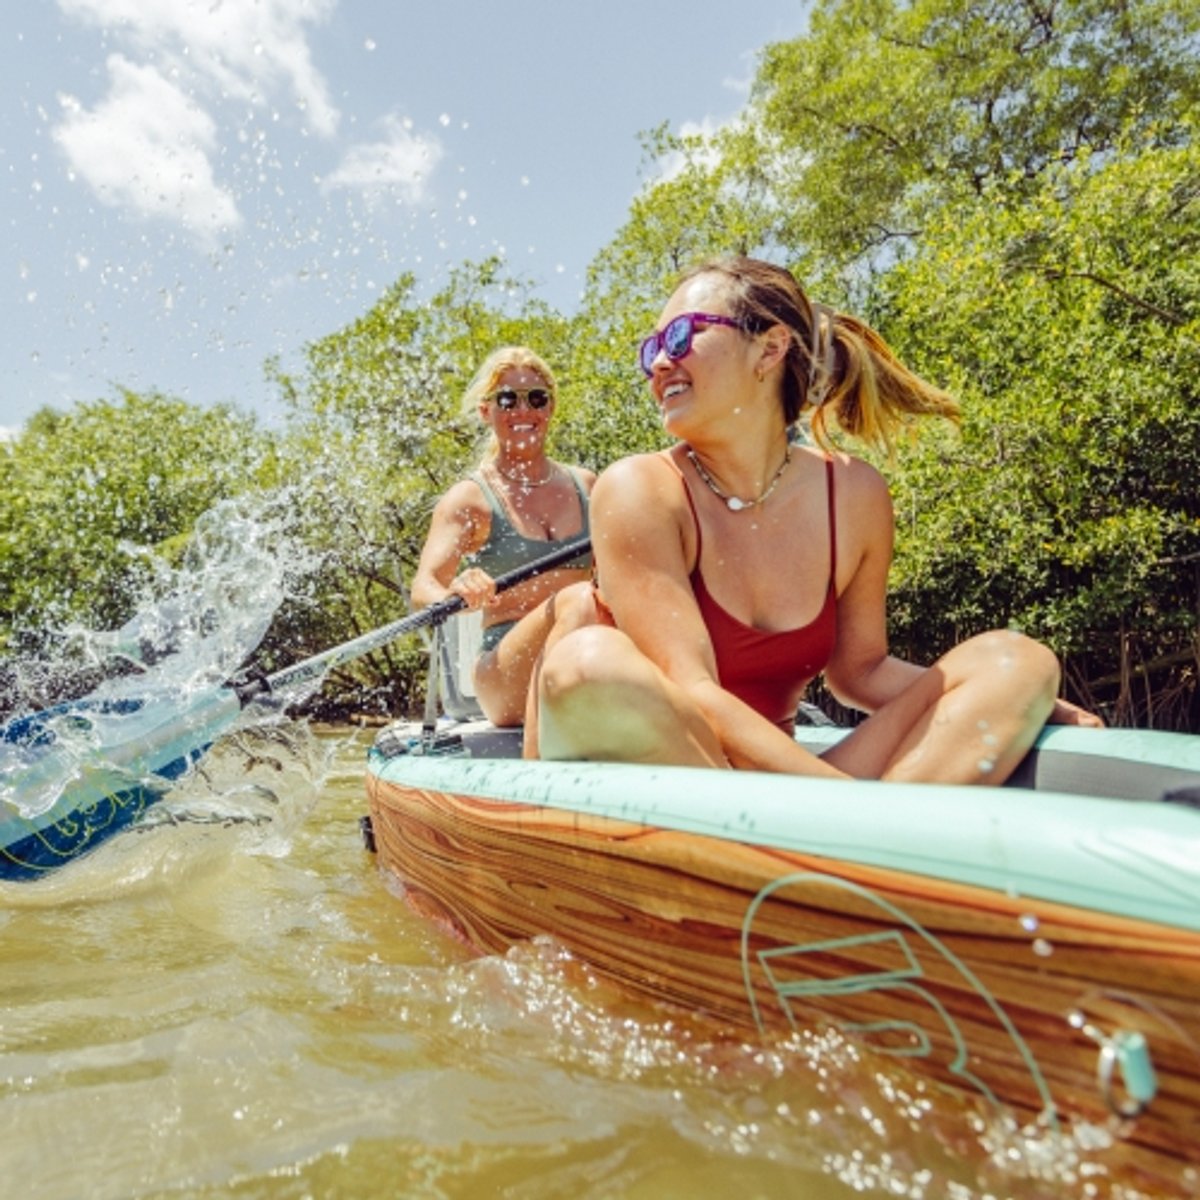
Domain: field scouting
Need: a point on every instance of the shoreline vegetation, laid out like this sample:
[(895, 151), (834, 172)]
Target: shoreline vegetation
[(1011, 202)]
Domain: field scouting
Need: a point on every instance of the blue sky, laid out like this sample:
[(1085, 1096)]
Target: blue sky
[(193, 186)]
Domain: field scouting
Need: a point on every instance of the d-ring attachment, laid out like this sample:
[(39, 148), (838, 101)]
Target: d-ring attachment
[(1129, 1052)]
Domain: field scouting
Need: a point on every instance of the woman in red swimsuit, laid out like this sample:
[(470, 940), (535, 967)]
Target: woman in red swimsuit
[(738, 565)]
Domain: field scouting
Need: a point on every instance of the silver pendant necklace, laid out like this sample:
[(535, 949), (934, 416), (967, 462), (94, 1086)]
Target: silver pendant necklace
[(735, 503), (521, 481)]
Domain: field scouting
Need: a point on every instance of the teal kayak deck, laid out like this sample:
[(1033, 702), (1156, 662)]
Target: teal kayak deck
[(1136, 858)]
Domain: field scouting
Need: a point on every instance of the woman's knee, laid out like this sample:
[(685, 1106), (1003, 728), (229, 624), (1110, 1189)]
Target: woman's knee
[(585, 658), (1017, 651), (594, 692), (1014, 661), (572, 607)]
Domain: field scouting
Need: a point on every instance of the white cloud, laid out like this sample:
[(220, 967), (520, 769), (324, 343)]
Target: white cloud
[(703, 151), (741, 85), (150, 144), (402, 162), (245, 49), (702, 136), (146, 146)]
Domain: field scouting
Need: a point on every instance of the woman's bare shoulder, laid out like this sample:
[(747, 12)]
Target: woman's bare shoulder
[(639, 471), (585, 475), (638, 491), (465, 494), (463, 504), (864, 518), (857, 480)]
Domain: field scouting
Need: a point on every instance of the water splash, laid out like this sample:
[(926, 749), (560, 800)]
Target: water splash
[(160, 698), (204, 618), (809, 1113)]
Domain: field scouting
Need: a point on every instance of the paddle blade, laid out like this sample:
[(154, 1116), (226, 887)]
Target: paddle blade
[(72, 776)]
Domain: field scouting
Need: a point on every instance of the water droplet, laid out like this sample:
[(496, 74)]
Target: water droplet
[(986, 765), (1029, 922), (1042, 948), (369, 44)]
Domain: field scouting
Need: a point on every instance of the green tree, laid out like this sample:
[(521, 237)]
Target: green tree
[(88, 492), (1068, 320), (889, 109)]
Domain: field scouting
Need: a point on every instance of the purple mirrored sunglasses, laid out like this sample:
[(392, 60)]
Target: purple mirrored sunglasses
[(675, 339)]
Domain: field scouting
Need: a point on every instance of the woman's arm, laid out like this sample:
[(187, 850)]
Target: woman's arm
[(862, 674), (459, 527)]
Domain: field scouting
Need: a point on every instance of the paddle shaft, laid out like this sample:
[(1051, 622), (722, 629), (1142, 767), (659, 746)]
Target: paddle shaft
[(435, 614), (72, 780)]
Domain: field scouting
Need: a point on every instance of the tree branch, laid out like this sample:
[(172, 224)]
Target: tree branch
[(1146, 305)]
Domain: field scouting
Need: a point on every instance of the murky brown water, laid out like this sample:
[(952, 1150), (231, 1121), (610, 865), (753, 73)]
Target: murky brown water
[(233, 1003)]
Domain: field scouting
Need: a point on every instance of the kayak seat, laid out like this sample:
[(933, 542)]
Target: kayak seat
[(458, 641)]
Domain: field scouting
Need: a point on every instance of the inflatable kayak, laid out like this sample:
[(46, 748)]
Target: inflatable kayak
[(1036, 945)]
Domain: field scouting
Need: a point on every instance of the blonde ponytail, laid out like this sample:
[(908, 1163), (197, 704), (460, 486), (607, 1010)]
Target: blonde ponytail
[(869, 392), (837, 367)]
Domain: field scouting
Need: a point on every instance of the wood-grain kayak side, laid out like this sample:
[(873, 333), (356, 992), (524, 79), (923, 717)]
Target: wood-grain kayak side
[(1043, 1007)]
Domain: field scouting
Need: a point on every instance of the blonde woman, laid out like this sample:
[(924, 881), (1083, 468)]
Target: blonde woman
[(518, 506), (737, 566)]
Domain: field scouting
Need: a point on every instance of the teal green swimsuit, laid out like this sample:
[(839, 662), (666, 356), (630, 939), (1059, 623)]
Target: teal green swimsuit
[(506, 549)]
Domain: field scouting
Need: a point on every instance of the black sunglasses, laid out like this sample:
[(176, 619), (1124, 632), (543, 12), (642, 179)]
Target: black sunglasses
[(508, 398)]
